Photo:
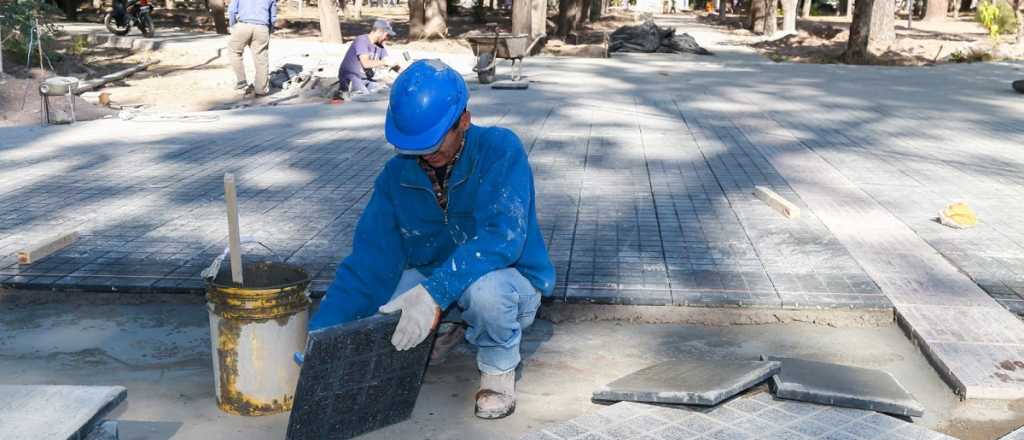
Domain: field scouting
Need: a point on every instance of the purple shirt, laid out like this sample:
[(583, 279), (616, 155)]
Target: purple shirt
[(350, 66)]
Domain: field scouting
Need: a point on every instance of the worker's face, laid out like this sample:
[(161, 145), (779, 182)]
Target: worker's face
[(449, 144), (380, 36)]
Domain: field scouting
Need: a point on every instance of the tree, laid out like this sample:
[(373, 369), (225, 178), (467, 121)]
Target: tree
[(330, 28), (872, 32), (568, 16), (806, 9), (936, 10), (428, 19), (763, 16), (789, 16), (220, 22), (1016, 4), (584, 13), (850, 5), (70, 8), (524, 14)]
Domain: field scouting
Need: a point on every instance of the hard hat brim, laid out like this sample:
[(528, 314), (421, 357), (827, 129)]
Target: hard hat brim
[(427, 142)]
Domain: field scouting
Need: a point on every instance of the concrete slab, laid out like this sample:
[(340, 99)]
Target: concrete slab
[(842, 385), (1018, 434), (692, 382), (752, 416), (55, 411), (354, 381)]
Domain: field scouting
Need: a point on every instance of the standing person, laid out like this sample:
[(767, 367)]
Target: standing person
[(365, 54), (252, 22), (451, 226)]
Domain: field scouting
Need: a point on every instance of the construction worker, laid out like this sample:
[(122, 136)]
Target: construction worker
[(367, 53), (451, 226), (252, 22)]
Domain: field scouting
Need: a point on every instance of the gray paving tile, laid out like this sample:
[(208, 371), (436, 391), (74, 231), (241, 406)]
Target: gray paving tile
[(841, 385), (353, 372), (55, 411), (693, 382), (1015, 435)]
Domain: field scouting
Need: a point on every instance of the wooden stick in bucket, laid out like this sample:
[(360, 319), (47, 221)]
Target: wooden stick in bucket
[(234, 240)]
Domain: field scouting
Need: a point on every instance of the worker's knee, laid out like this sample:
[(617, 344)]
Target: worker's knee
[(500, 300)]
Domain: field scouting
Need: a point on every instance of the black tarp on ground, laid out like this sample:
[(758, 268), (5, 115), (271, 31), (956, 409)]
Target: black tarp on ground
[(649, 37)]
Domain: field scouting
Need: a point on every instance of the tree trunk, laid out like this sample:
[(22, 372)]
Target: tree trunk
[(789, 16), (70, 9), (956, 8), (596, 10), (428, 19), (415, 19), (330, 29), (568, 16), (584, 13), (169, 4), (763, 16), (936, 10), (722, 6), (357, 10), (850, 5), (1020, 22), (220, 21), (806, 12), (872, 32)]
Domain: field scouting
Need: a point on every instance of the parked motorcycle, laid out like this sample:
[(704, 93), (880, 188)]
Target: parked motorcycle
[(127, 13)]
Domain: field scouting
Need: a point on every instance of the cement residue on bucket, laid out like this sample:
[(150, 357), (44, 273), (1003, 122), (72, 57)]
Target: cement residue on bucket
[(255, 328)]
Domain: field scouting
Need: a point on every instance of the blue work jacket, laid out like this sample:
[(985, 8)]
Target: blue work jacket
[(490, 224)]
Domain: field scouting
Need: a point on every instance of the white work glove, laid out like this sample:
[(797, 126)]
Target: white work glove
[(420, 313)]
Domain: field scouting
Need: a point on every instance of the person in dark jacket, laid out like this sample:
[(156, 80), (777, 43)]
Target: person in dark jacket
[(451, 226)]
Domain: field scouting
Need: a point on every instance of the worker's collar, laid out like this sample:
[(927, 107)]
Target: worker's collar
[(462, 164)]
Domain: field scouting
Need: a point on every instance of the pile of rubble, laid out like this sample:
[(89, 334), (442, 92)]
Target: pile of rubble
[(649, 37)]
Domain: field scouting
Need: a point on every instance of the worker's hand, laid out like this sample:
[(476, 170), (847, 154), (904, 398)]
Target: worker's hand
[(420, 314)]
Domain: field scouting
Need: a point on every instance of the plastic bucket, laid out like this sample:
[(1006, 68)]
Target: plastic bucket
[(254, 330)]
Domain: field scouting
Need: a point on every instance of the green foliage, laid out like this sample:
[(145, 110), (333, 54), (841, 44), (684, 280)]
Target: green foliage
[(970, 56), (997, 17), (19, 18), (79, 43)]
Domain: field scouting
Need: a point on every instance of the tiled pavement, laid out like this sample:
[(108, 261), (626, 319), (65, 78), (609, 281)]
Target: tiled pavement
[(637, 219), (752, 416), (644, 167)]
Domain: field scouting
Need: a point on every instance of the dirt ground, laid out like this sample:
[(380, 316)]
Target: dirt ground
[(823, 40), (161, 353)]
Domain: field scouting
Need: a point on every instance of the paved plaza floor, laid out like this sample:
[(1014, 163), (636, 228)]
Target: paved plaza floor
[(645, 167)]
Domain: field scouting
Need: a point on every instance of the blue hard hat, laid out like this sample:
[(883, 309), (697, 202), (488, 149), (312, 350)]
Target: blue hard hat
[(426, 100)]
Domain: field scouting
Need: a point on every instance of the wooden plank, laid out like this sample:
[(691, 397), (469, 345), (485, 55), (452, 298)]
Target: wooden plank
[(773, 199), (40, 250), (234, 240)]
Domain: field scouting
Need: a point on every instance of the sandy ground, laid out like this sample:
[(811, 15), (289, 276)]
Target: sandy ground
[(160, 352), (823, 40)]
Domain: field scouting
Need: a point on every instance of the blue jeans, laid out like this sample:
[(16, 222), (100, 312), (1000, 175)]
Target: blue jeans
[(497, 307)]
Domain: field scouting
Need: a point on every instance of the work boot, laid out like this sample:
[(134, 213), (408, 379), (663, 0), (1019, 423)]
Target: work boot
[(497, 396), (446, 340), (241, 85)]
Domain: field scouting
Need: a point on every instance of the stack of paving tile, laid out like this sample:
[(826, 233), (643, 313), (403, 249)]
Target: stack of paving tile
[(354, 381)]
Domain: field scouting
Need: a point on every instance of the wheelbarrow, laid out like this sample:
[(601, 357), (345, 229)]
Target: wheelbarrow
[(497, 45)]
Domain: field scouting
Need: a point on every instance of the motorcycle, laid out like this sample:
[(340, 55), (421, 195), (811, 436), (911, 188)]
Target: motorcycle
[(128, 12)]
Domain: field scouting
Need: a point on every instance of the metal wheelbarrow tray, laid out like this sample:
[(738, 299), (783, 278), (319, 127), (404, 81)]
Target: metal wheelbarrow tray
[(489, 48)]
